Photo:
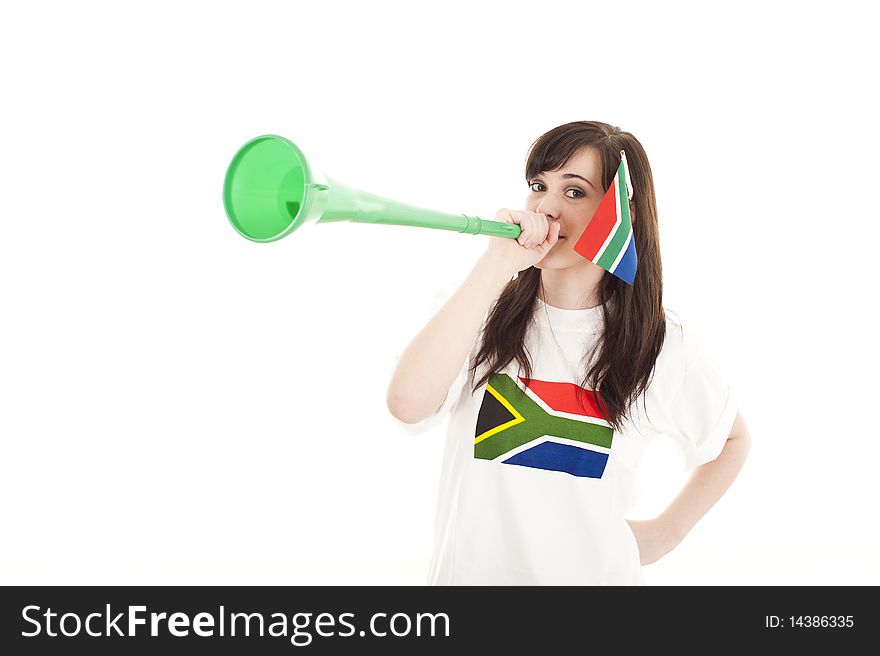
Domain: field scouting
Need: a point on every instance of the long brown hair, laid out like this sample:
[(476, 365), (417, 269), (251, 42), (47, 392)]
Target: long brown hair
[(634, 320)]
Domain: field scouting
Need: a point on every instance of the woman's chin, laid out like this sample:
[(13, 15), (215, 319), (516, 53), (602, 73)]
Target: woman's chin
[(549, 262), (558, 260), (553, 259)]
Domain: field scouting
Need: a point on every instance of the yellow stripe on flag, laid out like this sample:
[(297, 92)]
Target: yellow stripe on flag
[(517, 417)]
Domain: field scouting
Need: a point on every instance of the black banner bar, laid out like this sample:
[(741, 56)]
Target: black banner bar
[(312, 619)]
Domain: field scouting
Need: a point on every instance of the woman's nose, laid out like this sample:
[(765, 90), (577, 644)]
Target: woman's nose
[(548, 206)]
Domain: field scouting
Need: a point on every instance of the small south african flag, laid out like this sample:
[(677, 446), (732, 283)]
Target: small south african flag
[(608, 239)]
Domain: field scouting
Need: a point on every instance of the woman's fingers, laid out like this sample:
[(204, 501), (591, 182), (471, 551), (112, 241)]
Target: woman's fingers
[(552, 237), (526, 234), (535, 227), (542, 229), (505, 215)]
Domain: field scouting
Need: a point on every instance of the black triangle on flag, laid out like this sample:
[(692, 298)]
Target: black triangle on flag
[(492, 414)]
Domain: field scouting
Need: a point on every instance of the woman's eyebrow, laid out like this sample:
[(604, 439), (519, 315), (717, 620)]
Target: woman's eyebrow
[(579, 177), (567, 176)]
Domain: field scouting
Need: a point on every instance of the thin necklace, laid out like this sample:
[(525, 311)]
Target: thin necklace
[(552, 333)]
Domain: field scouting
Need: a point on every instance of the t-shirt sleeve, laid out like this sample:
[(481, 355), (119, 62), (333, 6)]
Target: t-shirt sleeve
[(435, 419), (702, 406)]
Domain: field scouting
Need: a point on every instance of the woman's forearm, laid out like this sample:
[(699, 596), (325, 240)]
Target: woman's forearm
[(429, 364), (707, 484)]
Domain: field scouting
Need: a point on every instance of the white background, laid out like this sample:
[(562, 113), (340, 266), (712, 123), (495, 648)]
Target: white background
[(180, 405)]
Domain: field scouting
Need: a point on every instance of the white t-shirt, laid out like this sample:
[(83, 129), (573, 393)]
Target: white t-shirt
[(535, 486)]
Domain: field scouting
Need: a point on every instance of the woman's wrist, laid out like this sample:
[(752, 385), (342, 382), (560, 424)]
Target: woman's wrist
[(498, 265)]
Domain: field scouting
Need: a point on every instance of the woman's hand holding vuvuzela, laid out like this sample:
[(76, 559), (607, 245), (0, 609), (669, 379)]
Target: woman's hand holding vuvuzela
[(538, 236)]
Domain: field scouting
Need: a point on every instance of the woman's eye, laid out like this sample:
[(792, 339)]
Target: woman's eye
[(571, 193)]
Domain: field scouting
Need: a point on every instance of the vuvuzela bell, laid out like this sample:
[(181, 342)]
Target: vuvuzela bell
[(270, 190)]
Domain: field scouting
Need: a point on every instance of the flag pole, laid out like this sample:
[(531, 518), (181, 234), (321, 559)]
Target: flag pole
[(629, 189)]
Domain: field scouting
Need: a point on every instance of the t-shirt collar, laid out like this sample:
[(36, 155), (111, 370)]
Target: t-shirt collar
[(583, 319)]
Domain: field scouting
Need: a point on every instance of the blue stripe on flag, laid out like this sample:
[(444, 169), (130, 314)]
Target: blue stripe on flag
[(562, 457), (626, 268)]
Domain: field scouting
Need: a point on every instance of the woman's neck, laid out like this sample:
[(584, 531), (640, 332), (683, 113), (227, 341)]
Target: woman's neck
[(572, 288)]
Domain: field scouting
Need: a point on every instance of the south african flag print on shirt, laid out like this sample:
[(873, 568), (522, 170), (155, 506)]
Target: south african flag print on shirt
[(544, 425)]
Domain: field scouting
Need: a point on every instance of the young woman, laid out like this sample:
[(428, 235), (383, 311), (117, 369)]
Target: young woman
[(556, 375)]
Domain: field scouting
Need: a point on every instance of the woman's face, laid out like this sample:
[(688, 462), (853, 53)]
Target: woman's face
[(570, 195)]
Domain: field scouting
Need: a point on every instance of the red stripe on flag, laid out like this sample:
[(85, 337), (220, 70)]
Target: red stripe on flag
[(600, 226), (563, 397)]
